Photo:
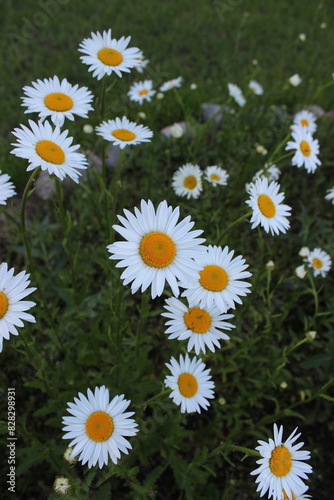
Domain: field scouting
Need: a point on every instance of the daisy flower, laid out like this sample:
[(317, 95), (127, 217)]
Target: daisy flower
[(12, 308), (191, 384), (158, 248), (319, 261), (330, 195), (141, 91), (306, 148), (218, 280), (187, 181), (307, 120), (236, 92), (201, 325), (272, 173), (49, 149), (7, 188), (105, 55), (216, 175), (268, 210), (255, 87), (282, 466), (56, 99), (121, 132), (171, 84), (98, 426)]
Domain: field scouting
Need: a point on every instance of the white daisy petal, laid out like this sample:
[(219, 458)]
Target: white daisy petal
[(57, 100), (122, 132), (218, 280), (319, 261), (306, 148), (164, 248), (201, 325), (265, 201), (187, 181), (105, 55), (281, 468), (189, 389), (12, 290), (101, 432), (49, 149)]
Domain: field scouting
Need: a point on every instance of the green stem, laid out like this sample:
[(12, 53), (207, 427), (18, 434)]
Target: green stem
[(241, 449), (149, 401), (28, 190), (103, 95), (232, 225), (67, 241), (278, 148), (116, 184), (315, 295)]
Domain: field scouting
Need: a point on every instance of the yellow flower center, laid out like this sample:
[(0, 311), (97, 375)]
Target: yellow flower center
[(280, 462), (285, 496), (266, 205), (305, 148), (157, 249), (317, 263), (99, 426), (57, 101), (188, 385), (190, 182), (110, 57), (123, 134), (304, 122), (143, 92), (3, 304), (214, 177), (50, 152), (198, 320), (213, 278)]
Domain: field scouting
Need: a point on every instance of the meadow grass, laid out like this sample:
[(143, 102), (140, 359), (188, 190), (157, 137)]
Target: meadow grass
[(91, 330)]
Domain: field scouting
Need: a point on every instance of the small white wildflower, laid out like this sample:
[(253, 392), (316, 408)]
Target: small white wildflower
[(88, 129), (176, 130), (300, 271), (295, 80), (62, 485), (304, 252), (270, 265), (68, 456), (311, 335)]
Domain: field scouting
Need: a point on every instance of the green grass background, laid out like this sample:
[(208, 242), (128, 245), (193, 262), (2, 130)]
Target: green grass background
[(209, 43)]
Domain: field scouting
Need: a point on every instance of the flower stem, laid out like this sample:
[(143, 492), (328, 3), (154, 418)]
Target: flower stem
[(65, 221), (232, 225), (315, 295), (241, 449), (149, 401), (28, 190)]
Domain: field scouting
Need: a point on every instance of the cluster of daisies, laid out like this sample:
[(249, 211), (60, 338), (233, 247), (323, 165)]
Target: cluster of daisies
[(305, 146), (236, 93), (187, 180), (160, 249), (157, 249), (143, 91), (316, 260)]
